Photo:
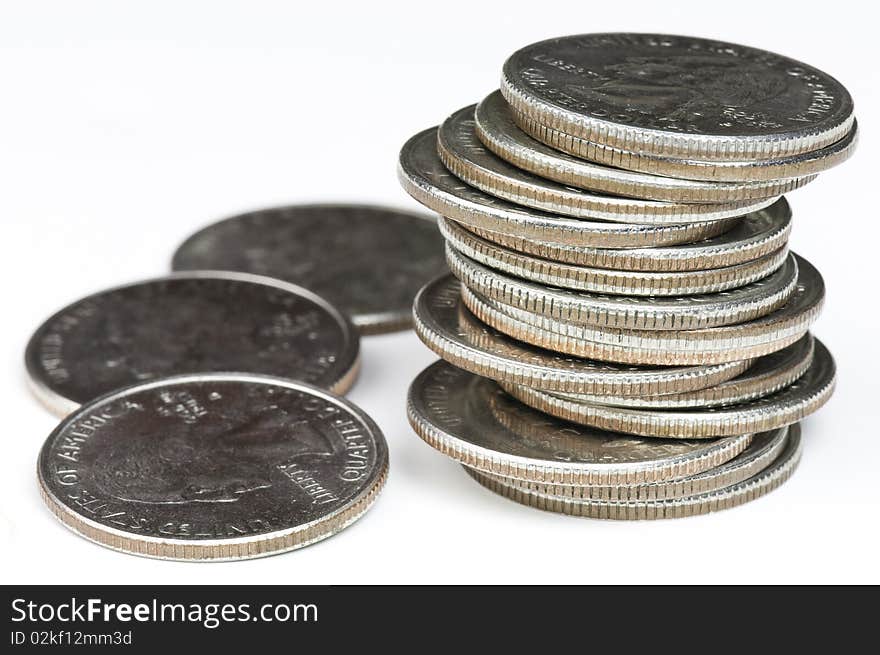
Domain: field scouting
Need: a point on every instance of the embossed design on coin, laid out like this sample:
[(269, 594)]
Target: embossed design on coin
[(677, 96), (426, 179), (218, 466), (367, 261), (189, 323), (466, 157), (469, 419), (448, 328)]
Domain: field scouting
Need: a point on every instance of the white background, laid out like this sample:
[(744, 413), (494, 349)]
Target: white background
[(125, 126)]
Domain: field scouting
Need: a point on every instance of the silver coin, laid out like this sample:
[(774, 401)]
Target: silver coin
[(759, 484), (212, 467), (469, 419), (466, 157), (803, 397), (754, 338), (646, 313), (426, 179), (499, 132), (678, 96), (755, 235), (605, 280), (368, 261), (786, 168), (766, 375), (763, 449), (189, 323), (446, 326)]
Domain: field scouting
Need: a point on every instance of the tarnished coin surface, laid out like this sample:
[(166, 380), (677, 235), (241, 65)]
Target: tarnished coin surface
[(677, 96), (212, 467), (766, 375), (189, 323), (469, 419), (736, 494), (753, 171), (446, 326), (606, 280), (426, 179), (466, 157), (499, 132), (368, 261), (754, 338), (762, 450), (631, 312), (755, 235), (803, 397)]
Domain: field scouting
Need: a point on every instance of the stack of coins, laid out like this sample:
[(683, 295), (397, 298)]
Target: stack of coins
[(625, 332)]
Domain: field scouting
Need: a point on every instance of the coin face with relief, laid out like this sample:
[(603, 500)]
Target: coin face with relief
[(677, 96), (189, 323), (368, 261), (212, 467)]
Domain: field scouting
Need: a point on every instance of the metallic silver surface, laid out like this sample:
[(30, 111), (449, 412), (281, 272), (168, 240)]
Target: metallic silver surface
[(754, 487), (368, 261), (189, 323), (766, 375), (605, 280), (466, 157), (755, 235), (673, 347), (803, 397), (639, 313), (426, 179), (469, 419), (212, 467), (763, 449), (677, 96), (497, 129), (446, 326)]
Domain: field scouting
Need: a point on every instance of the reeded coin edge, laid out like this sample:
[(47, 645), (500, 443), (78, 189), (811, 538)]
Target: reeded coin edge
[(724, 475), (598, 473), (762, 483)]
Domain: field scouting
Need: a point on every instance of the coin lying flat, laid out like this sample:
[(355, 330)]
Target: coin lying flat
[(803, 397), (755, 235), (218, 466), (759, 484), (466, 157), (368, 261), (677, 96), (499, 132), (763, 449), (445, 325), (469, 419), (605, 280), (189, 323), (754, 338), (426, 179), (754, 171), (652, 313), (766, 375)]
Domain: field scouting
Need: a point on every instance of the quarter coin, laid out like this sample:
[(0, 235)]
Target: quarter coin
[(466, 157), (189, 323), (368, 261), (677, 96), (212, 467), (450, 330), (469, 419)]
